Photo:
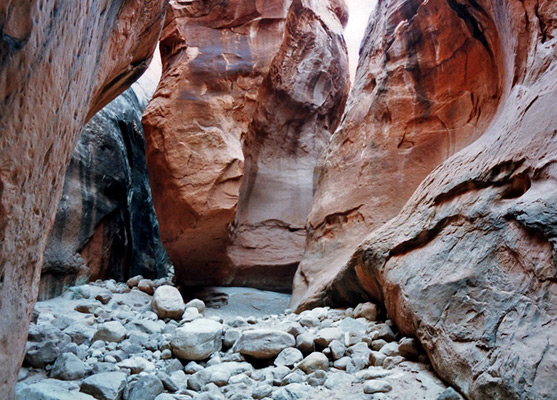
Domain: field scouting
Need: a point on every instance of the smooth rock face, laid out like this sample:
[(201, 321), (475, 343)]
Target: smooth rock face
[(214, 60), (299, 105), (468, 265), (105, 226), (427, 86), (105, 386), (168, 302), (59, 64), (197, 340)]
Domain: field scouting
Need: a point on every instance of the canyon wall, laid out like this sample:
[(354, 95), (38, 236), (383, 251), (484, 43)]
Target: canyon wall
[(60, 63), (469, 263), (299, 105), (105, 226), (427, 85), (215, 55), (231, 74)]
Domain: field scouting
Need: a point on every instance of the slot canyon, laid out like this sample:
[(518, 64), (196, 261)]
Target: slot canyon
[(278, 200)]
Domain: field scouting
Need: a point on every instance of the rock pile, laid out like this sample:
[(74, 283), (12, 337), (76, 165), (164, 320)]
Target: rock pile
[(111, 341)]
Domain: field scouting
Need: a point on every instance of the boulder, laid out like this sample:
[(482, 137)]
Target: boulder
[(263, 343), (314, 362), (148, 387), (59, 65), (168, 302), (68, 367), (105, 386), (112, 331), (197, 340)]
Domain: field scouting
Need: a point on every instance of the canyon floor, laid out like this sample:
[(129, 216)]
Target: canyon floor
[(105, 341)]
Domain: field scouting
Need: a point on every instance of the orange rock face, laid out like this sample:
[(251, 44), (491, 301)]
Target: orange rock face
[(469, 263), (215, 56), (427, 86), (59, 64), (299, 105)]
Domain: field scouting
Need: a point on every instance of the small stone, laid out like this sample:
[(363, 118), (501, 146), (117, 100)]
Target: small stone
[(146, 286), (192, 367), (288, 357), (148, 387), (383, 331), (133, 282), (166, 354), (199, 304), (391, 362), (190, 314), (377, 386), (317, 378), (378, 344), (68, 367), (305, 342), (197, 340), (338, 350), (168, 303), (105, 386), (263, 343), (336, 379), (449, 394), (342, 363), (315, 361), (262, 391), (376, 358), (79, 333), (87, 307), (112, 331), (409, 348), (327, 335), (104, 297), (137, 365), (367, 311), (231, 336), (390, 349)]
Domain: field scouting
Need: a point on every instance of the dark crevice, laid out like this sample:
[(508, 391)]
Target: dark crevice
[(471, 22)]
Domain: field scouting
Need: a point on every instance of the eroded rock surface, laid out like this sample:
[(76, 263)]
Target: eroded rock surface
[(59, 64), (214, 59), (427, 85), (106, 226), (299, 105), (468, 265)]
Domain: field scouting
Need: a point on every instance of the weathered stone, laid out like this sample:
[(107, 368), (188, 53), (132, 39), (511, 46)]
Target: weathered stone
[(68, 367), (366, 310), (168, 302), (327, 335), (263, 343), (197, 340), (47, 391), (112, 331), (105, 386), (377, 386), (315, 361), (146, 388), (288, 357), (199, 304), (409, 348), (59, 65)]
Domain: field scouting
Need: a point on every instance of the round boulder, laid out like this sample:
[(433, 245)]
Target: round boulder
[(197, 340), (168, 303)]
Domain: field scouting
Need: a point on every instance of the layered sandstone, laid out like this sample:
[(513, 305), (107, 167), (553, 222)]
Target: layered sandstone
[(105, 225), (60, 63), (427, 85), (469, 263), (299, 105), (215, 55)]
